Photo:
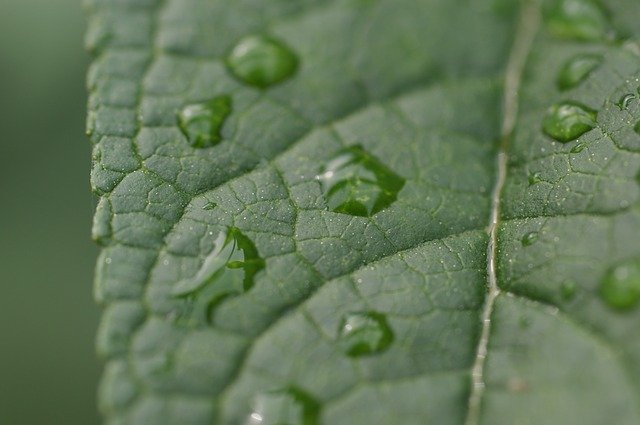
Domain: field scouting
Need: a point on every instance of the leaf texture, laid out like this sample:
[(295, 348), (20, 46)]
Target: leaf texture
[(474, 285)]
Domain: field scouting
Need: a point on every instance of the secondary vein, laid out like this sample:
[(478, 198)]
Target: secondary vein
[(527, 29)]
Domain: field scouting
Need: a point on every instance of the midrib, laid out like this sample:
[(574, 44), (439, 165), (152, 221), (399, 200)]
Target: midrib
[(527, 28)]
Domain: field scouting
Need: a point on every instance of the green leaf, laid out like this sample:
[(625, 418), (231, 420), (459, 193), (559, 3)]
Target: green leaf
[(403, 212)]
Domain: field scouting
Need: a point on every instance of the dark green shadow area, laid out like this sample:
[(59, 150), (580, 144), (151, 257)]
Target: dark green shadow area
[(48, 369)]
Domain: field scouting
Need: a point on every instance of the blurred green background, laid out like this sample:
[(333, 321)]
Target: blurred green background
[(48, 369)]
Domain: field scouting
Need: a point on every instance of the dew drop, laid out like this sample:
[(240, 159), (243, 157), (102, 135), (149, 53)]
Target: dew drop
[(201, 122), (229, 270), (567, 121), (362, 334), (262, 61), (625, 101), (583, 20), (578, 148), (576, 70), (285, 407), (357, 183), (620, 287), (530, 238)]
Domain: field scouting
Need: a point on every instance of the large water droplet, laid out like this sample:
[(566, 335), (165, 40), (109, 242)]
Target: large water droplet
[(262, 61), (576, 69), (362, 334), (228, 270), (530, 238), (578, 20), (620, 287), (357, 183), (567, 121), (201, 122), (285, 407), (625, 101)]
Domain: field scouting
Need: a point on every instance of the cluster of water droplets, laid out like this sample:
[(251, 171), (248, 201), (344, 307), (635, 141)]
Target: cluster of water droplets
[(259, 61), (566, 121)]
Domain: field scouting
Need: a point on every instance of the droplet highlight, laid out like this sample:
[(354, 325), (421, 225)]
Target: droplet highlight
[(229, 270), (620, 287), (356, 183), (262, 61), (583, 20), (291, 406), (530, 238), (567, 121), (363, 334), (201, 123), (577, 69)]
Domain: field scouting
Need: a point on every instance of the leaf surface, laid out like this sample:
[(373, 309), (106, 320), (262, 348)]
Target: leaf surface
[(389, 218)]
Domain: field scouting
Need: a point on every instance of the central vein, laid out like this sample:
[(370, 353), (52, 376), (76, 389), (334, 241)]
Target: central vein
[(527, 29)]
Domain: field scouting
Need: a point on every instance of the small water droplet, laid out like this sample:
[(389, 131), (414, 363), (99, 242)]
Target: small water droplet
[(530, 238), (284, 407), (228, 270), (534, 178), (625, 101), (568, 290), (524, 322), (577, 69), (201, 122), (567, 121), (583, 20), (262, 61), (578, 148), (620, 287), (362, 334), (357, 183), (209, 206)]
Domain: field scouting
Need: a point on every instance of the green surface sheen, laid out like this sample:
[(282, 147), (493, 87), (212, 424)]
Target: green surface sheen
[(325, 260)]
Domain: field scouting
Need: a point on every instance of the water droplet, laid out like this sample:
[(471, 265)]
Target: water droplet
[(534, 178), (285, 407), (578, 20), (209, 206), (567, 121), (228, 270), (362, 334), (625, 101), (578, 148), (201, 122), (620, 287), (576, 69), (568, 290), (262, 61), (530, 238), (356, 183)]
